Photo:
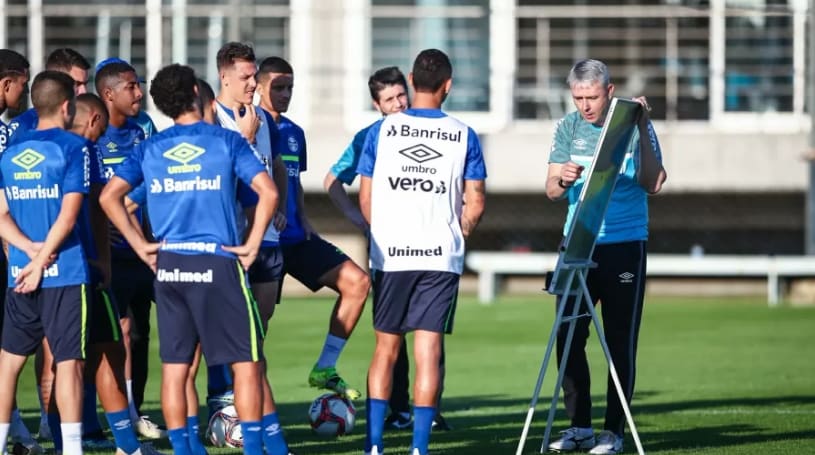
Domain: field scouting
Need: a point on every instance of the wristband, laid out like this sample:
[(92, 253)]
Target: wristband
[(562, 185)]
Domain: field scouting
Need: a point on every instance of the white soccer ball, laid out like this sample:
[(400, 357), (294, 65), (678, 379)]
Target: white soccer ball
[(224, 429), (332, 415)]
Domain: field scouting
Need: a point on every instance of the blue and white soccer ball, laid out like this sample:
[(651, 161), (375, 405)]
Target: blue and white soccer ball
[(332, 415), (224, 429)]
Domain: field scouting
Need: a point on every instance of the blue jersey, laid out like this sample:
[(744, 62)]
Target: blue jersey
[(26, 121), (192, 173), (293, 145), (113, 147), (5, 136), (146, 123), (36, 172), (345, 169), (626, 217), (83, 222)]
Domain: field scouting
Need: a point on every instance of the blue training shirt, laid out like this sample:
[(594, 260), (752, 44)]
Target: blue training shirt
[(26, 121), (345, 169), (626, 218), (36, 172), (293, 150), (192, 173)]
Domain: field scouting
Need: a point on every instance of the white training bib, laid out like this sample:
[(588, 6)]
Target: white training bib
[(416, 194)]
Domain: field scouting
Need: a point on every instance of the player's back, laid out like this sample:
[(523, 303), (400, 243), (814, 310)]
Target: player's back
[(37, 170), (191, 174)]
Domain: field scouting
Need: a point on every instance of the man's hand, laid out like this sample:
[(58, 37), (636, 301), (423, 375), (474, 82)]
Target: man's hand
[(246, 254), (148, 252), (279, 221), (29, 278), (34, 248), (570, 172), (248, 123)]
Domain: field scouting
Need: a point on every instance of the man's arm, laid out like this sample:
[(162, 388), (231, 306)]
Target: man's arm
[(650, 173), (338, 195), (365, 197), (11, 233), (268, 199), (560, 177), (474, 202), (112, 202), (29, 278), (280, 176)]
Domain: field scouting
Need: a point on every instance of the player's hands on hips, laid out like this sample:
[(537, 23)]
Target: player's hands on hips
[(246, 254), (279, 221), (248, 123), (570, 172), (148, 252), (28, 280)]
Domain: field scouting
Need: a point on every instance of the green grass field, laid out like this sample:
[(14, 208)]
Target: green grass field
[(715, 376)]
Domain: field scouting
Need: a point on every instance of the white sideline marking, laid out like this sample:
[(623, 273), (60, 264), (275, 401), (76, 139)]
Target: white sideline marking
[(747, 411)]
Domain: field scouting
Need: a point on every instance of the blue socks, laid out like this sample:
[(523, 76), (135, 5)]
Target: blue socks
[(422, 423), (56, 430), (196, 446), (252, 438), (375, 415), (122, 430), (180, 441), (90, 421), (273, 435)]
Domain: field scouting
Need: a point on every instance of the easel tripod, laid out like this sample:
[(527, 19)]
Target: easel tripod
[(572, 271)]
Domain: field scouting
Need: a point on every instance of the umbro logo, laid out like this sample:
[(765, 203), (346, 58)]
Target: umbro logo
[(420, 153), (579, 144), (626, 277)]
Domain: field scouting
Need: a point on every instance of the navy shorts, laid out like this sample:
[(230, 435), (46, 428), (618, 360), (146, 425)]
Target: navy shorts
[(206, 298), (414, 300), (105, 326), (310, 259), (268, 267), (131, 283), (60, 314)]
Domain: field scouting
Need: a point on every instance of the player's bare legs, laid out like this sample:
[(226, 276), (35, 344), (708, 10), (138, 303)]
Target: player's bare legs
[(380, 382)]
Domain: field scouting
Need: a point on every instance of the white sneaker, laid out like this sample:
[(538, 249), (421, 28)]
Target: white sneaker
[(573, 439), (149, 429), (374, 451), (607, 443), (45, 431)]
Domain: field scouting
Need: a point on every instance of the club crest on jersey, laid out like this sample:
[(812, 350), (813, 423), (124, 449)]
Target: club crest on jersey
[(184, 153), (437, 133), (28, 160), (294, 146)]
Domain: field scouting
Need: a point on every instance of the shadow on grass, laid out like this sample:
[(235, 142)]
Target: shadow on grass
[(493, 424)]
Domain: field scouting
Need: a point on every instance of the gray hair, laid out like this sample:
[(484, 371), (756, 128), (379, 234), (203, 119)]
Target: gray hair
[(589, 70)]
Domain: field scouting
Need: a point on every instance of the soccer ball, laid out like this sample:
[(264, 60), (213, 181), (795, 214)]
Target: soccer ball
[(224, 429), (331, 415)]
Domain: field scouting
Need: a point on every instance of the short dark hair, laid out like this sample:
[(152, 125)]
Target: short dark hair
[(232, 51), (93, 102), (274, 65), (110, 74), (205, 94), (65, 58), (383, 78), (173, 90), (431, 70), (12, 63), (49, 90)]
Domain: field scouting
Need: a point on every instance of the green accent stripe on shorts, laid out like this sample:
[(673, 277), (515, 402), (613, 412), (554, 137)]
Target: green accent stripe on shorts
[(450, 313), (251, 308), (84, 332), (116, 329)]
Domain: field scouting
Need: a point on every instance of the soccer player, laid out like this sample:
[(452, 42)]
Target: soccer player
[(131, 281), (14, 73), (306, 256), (234, 111), (67, 61), (73, 64), (389, 95), (192, 170), (106, 357), (422, 192), (45, 180), (618, 281)]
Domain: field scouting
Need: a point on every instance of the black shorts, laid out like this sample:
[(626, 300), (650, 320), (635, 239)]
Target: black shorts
[(310, 259), (60, 314), (414, 300), (268, 267), (206, 298), (105, 326), (131, 283)]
